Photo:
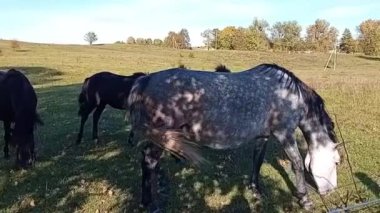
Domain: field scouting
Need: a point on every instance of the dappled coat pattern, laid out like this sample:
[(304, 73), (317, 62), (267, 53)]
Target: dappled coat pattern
[(179, 111)]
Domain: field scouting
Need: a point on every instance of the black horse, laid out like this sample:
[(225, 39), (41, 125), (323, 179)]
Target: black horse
[(18, 102), (99, 90)]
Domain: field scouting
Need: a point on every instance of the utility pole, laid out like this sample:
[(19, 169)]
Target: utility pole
[(333, 56)]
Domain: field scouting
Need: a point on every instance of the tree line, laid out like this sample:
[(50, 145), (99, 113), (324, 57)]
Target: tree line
[(179, 40), (281, 36), (286, 36)]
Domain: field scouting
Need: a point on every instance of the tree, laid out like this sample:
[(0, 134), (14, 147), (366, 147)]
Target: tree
[(208, 37), (184, 39), (286, 35), (215, 43), (256, 36), (140, 41), (180, 40), (131, 40), (90, 37), (157, 42), (148, 41), (369, 37), (320, 36), (347, 43), (171, 40), (227, 37)]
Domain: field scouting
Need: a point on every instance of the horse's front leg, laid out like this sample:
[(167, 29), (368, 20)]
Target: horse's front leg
[(7, 138), (258, 158), (291, 149), (96, 116), (150, 167)]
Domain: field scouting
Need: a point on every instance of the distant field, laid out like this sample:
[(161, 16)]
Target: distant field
[(87, 178)]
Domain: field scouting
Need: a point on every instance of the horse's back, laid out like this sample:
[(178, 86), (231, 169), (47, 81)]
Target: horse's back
[(214, 106), (17, 95), (109, 88)]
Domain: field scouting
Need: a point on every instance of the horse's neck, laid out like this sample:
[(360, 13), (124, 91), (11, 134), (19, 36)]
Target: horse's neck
[(314, 133)]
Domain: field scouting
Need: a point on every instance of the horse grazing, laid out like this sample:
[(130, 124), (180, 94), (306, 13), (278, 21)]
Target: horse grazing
[(18, 102), (99, 90), (182, 111)]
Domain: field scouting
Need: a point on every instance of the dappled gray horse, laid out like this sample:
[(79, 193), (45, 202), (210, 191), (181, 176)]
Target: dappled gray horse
[(181, 111)]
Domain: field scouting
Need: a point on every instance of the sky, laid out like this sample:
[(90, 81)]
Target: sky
[(66, 21)]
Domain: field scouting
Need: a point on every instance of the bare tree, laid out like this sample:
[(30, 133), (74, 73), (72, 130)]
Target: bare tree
[(208, 37), (131, 40), (90, 37)]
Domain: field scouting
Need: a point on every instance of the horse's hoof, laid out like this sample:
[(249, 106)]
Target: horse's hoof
[(257, 195), (306, 204), (96, 141), (144, 203), (255, 191), (154, 209)]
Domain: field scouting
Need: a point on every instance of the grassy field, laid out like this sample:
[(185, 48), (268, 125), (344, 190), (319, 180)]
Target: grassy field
[(106, 178)]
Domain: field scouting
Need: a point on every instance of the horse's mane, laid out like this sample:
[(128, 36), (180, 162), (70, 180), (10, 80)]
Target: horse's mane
[(138, 74), (222, 68), (315, 103)]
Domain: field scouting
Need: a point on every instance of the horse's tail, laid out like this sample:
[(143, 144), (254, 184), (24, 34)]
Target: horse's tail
[(82, 99), (38, 119), (176, 143), (171, 140)]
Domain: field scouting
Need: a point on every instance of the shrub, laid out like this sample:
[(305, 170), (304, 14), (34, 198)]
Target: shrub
[(15, 44)]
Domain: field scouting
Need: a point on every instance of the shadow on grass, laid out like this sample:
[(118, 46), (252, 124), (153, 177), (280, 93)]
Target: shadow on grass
[(369, 182), (372, 58), (22, 50), (39, 75), (87, 177)]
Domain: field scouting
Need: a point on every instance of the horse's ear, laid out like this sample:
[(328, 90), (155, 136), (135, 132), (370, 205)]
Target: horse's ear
[(12, 70)]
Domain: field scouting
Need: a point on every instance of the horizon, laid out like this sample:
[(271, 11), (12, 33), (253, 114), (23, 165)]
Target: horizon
[(66, 22)]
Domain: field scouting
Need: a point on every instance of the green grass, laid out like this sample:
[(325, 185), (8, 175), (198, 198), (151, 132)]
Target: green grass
[(87, 178)]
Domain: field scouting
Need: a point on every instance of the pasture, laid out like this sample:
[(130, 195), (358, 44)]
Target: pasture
[(106, 178)]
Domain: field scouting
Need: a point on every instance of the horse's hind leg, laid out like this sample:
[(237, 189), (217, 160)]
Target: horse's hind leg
[(258, 158), (131, 138), (289, 144), (84, 117), (7, 137), (96, 116), (150, 168)]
